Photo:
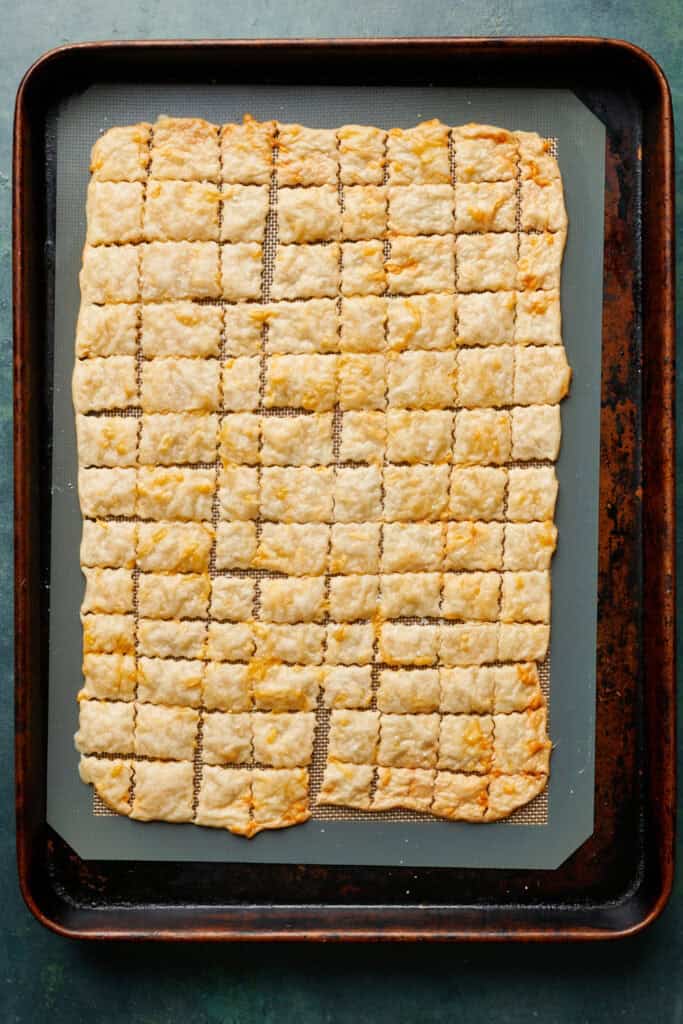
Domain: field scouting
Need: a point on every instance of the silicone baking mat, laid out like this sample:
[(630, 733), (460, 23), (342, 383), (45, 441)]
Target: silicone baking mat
[(545, 832)]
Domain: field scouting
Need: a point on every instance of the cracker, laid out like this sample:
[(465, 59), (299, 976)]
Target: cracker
[(105, 727), (306, 156), (108, 634), (238, 492), (361, 154), (174, 547), (236, 545), (363, 437), (523, 641), (536, 432), (305, 271), (293, 600), (225, 799), (516, 688), (539, 318), (302, 327), (227, 738), (297, 440), (410, 594), (107, 492), (301, 381), (296, 645), (403, 787), (169, 439), (477, 492), (484, 153), (244, 209), (180, 329), (108, 590), (482, 436), (467, 690), (486, 262), (466, 743), (363, 324), (422, 380), (349, 644), (241, 270), (175, 493), (163, 791), (536, 162), (532, 494), (508, 792), (283, 740), (474, 545), (185, 148), (460, 797), (365, 212), (485, 206), (111, 781), (542, 375), (247, 152), (227, 687), (110, 273), (283, 687), (232, 598), (101, 384), (240, 435), (487, 318), (107, 440), (421, 209), (422, 322), (408, 741), (106, 330), (400, 644), (280, 798), (165, 732), (301, 494), (425, 263), (362, 382), (540, 259), (293, 549), (354, 736), (521, 743), (417, 436), (177, 211), (180, 385), (485, 376), (412, 547), (346, 785), (418, 155), (110, 545), (163, 638), (109, 677), (240, 383), (358, 494), (173, 595), (529, 545), (468, 643), (471, 596), (229, 641), (415, 492), (180, 270), (308, 214), (542, 206), (114, 212), (170, 681), (362, 268), (347, 686), (121, 154), (353, 597), (354, 548), (402, 691)]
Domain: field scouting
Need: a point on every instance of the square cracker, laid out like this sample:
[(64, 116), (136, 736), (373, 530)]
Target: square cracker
[(477, 492), (466, 743), (485, 376), (294, 599), (108, 590), (508, 792), (361, 154), (362, 268), (301, 494), (107, 492), (280, 798), (412, 547), (423, 263), (358, 494), (244, 209), (460, 797), (362, 382), (185, 148), (306, 271), (347, 686), (180, 329), (410, 594), (421, 321), (536, 432), (418, 155), (180, 385), (354, 548), (363, 324), (173, 595), (283, 740), (421, 209), (542, 205), (244, 322), (485, 206), (539, 318), (168, 439), (418, 436), (235, 545), (474, 545), (521, 742), (411, 788), (482, 436), (109, 330), (408, 741), (301, 644), (170, 681), (346, 785), (484, 153), (532, 494), (247, 152), (121, 154), (297, 440), (284, 687), (401, 644), (227, 687), (108, 634), (472, 596), (525, 597), (302, 327), (229, 641), (468, 643), (232, 598), (110, 545), (301, 381), (365, 212), (238, 492), (487, 318), (241, 270), (105, 727), (226, 738), (422, 380), (107, 440), (529, 545), (298, 550), (540, 260), (109, 677), (486, 262), (175, 493), (166, 732), (353, 597), (467, 690), (363, 436), (308, 214), (225, 799), (111, 781), (414, 493), (174, 547), (110, 273), (114, 212), (353, 736), (404, 691), (179, 270), (177, 211), (523, 641), (163, 791), (163, 638), (516, 688), (349, 643), (542, 375), (239, 438), (241, 383), (306, 156)]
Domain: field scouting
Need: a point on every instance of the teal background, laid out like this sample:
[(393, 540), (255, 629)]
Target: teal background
[(45, 978)]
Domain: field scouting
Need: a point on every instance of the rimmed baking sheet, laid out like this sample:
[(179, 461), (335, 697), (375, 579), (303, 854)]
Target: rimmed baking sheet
[(563, 819)]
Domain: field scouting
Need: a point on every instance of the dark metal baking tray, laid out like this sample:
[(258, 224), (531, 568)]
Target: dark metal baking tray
[(620, 878)]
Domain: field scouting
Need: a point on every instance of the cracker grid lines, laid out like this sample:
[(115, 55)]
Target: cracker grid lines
[(329, 517)]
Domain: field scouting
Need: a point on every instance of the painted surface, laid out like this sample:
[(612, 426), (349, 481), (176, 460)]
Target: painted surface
[(46, 978)]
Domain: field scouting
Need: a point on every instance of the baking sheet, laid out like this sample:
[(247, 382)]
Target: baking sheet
[(391, 839)]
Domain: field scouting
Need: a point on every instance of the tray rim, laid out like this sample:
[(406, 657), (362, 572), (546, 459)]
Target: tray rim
[(658, 512)]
